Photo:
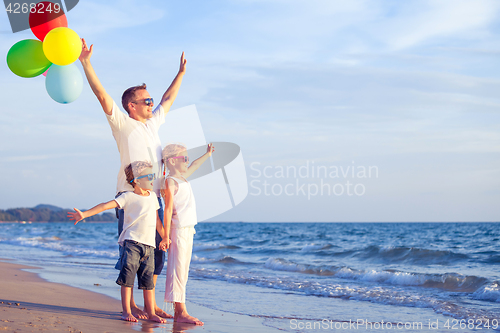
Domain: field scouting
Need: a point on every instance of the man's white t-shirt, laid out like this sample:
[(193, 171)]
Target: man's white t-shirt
[(137, 141), (140, 217)]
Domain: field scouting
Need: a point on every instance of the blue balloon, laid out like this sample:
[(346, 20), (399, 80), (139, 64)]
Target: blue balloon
[(64, 83)]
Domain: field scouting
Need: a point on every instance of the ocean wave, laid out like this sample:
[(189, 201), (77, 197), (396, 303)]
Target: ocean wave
[(447, 281), (494, 260), (284, 265), (213, 247), (490, 292), (377, 294), (38, 239), (316, 247), (57, 244), (411, 255), (221, 260)]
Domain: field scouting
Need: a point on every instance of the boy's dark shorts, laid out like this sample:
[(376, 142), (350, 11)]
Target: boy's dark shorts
[(137, 259)]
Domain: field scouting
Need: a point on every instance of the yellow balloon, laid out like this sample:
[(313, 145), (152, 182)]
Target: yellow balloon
[(62, 46)]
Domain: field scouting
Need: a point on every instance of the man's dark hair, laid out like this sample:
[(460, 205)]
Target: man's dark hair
[(129, 95)]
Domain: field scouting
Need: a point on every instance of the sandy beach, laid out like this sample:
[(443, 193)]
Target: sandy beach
[(31, 304)]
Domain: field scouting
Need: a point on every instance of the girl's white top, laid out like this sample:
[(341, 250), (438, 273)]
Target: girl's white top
[(184, 208)]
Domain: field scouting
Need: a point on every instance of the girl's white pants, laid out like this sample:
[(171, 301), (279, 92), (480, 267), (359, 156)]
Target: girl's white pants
[(178, 260)]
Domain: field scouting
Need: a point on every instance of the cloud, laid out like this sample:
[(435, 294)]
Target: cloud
[(416, 22), (336, 30), (26, 158), (91, 17), (60, 156), (279, 112)]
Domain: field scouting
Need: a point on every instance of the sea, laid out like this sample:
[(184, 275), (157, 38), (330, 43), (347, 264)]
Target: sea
[(302, 277)]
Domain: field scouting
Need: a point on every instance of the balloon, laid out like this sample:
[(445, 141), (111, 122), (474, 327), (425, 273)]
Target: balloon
[(43, 20), (45, 73), (62, 46), (26, 58), (64, 83)]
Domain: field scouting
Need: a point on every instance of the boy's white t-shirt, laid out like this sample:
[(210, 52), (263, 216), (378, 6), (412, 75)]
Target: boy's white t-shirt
[(140, 217), (137, 141)]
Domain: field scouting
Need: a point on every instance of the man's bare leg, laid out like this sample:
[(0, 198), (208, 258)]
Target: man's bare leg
[(158, 310), (126, 293), (182, 316), (136, 312), (149, 306)]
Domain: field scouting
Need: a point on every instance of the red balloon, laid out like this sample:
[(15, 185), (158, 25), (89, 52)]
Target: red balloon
[(45, 18)]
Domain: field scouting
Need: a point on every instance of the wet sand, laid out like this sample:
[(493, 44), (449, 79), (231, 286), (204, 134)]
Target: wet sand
[(30, 304)]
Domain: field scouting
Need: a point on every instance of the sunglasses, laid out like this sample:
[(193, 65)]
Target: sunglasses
[(151, 176), (147, 101), (186, 158)]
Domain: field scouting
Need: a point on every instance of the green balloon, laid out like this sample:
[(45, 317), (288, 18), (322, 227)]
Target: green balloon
[(26, 58)]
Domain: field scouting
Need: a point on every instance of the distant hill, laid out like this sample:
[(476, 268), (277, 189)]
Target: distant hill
[(47, 213), (50, 207)]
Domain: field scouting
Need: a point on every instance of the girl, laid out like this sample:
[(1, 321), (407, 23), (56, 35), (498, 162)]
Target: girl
[(180, 219)]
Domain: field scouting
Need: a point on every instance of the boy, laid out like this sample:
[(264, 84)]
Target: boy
[(180, 218), (137, 237)]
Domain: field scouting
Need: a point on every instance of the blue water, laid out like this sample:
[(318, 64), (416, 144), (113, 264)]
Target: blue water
[(300, 271)]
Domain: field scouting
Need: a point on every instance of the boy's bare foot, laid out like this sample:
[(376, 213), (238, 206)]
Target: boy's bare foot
[(184, 317), (129, 317), (159, 312), (138, 313), (157, 319)]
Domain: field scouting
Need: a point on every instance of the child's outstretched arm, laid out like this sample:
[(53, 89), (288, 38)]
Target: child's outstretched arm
[(198, 162), (168, 197), (79, 215)]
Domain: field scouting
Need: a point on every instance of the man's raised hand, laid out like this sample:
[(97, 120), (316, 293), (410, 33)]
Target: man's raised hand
[(182, 68), (86, 52)]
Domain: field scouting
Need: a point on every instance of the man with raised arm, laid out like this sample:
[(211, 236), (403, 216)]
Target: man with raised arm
[(136, 136)]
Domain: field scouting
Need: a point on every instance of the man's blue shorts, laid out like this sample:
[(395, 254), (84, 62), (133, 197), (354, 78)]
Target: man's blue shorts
[(137, 258), (159, 256)]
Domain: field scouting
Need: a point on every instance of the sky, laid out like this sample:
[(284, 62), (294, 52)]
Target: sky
[(345, 111)]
